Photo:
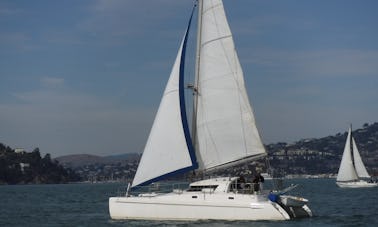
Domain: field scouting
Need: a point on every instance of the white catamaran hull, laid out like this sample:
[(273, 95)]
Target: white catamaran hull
[(356, 184), (200, 206)]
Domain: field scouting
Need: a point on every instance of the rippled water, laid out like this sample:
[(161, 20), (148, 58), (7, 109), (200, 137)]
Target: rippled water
[(87, 205)]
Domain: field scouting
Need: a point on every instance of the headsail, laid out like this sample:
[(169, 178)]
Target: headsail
[(360, 167), (169, 147), (347, 171), (226, 128)]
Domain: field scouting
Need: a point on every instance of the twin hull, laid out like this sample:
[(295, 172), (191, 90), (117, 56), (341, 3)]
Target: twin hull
[(197, 206)]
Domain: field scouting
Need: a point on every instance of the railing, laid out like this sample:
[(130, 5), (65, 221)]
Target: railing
[(179, 187), (154, 188), (246, 188)]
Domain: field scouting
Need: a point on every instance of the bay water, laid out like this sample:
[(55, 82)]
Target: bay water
[(87, 205)]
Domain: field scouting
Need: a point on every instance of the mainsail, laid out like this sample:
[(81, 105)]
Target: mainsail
[(226, 131)]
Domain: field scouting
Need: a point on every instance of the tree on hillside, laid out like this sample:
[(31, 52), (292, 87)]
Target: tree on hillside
[(25, 168)]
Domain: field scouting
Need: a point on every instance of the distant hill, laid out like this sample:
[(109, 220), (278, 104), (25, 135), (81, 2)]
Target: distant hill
[(127, 156), (79, 160)]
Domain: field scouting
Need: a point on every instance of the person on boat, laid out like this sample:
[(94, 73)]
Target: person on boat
[(257, 182), (241, 183)]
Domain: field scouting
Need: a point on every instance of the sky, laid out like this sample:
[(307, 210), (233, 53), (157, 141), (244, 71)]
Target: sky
[(87, 76)]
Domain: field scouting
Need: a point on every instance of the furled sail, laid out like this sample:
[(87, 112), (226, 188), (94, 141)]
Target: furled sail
[(226, 131), (360, 167), (347, 171), (169, 147)]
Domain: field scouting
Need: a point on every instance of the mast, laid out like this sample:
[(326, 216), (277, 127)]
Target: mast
[(351, 146), (196, 79)]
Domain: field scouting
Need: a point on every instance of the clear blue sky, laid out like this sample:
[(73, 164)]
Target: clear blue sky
[(87, 76)]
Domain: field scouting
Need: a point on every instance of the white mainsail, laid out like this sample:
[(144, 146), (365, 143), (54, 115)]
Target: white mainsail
[(347, 171), (167, 151), (226, 128), (358, 164)]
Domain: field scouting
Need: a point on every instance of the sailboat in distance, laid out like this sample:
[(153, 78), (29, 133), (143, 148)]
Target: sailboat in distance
[(223, 134), (352, 172)]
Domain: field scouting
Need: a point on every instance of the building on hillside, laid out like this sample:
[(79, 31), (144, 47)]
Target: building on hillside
[(20, 150), (23, 166)]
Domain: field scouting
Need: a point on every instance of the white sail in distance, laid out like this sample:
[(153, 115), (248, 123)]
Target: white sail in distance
[(226, 131), (347, 171)]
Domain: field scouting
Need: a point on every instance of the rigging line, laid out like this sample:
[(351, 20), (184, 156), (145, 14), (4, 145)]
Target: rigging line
[(214, 6), (167, 93), (213, 40)]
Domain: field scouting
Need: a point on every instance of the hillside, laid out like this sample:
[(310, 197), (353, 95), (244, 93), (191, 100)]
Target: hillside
[(77, 160), (18, 166), (320, 156), (102, 168), (80, 160)]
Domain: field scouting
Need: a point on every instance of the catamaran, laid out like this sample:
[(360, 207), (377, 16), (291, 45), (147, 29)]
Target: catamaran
[(223, 134), (353, 174)]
